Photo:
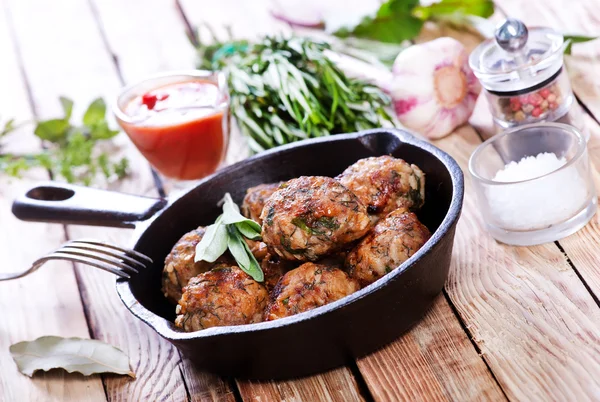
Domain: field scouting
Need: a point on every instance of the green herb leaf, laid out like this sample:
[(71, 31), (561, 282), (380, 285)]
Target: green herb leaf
[(242, 254), (248, 230), (213, 243), (301, 223), (85, 356), (67, 105), (394, 22), (286, 89), (71, 150), (231, 214), (571, 39), (95, 113), (101, 131), (52, 130), (479, 8), (9, 126)]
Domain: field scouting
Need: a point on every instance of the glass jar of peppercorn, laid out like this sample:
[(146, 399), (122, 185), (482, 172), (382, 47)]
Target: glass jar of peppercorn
[(524, 77)]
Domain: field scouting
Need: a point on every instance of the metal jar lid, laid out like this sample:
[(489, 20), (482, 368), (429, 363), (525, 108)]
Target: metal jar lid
[(517, 58)]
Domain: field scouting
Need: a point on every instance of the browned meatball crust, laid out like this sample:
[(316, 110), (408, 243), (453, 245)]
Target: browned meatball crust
[(180, 266), (307, 287), (257, 248), (274, 267), (391, 242), (220, 297), (312, 216), (384, 184), (255, 199)]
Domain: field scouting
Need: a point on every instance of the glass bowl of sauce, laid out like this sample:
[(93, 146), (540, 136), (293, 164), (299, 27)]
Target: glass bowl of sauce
[(179, 121)]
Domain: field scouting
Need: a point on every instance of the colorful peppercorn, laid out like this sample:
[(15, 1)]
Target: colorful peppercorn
[(536, 105)]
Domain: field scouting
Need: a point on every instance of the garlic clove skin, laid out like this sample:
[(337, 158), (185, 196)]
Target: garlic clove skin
[(433, 89)]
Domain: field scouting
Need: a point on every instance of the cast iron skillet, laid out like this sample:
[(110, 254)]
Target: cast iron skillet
[(303, 344)]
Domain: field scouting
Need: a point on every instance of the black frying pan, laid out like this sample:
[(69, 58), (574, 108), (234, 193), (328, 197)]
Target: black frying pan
[(303, 344)]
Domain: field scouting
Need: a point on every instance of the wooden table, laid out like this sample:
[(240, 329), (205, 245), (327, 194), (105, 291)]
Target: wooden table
[(513, 323)]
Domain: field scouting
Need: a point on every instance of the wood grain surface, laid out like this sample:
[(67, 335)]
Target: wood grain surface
[(70, 57), (433, 361), (525, 307), (48, 301), (532, 313)]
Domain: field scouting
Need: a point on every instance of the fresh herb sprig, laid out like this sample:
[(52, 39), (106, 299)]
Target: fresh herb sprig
[(70, 149), (227, 233), (286, 89)]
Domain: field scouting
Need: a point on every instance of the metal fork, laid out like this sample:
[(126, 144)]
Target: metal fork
[(120, 261)]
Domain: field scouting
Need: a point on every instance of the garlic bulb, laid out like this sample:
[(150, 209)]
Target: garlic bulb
[(434, 90)]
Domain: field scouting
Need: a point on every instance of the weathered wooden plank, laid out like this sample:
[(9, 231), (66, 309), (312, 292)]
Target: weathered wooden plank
[(581, 247), (582, 67), (67, 56), (334, 385), (433, 361), (533, 320), (30, 307), (153, 41), (164, 48)]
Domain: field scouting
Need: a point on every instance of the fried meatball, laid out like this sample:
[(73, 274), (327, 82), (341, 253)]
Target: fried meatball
[(274, 267), (312, 216), (255, 199), (384, 184), (391, 242), (220, 297), (257, 248), (307, 287), (180, 266)]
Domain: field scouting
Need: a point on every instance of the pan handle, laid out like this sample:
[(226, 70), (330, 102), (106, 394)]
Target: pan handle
[(64, 203)]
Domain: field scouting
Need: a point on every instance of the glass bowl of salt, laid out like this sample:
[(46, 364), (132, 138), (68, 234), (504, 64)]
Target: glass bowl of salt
[(534, 184)]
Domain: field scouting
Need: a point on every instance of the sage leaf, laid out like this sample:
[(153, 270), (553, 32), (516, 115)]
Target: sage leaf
[(213, 243), (248, 231), (86, 356), (242, 254), (231, 214)]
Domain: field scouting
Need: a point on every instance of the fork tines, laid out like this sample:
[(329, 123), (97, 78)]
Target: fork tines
[(120, 261)]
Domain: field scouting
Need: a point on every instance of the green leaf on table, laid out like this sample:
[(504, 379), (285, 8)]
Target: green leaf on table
[(53, 130), (213, 243), (242, 254), (67, 105), (231, 214), (479, 8), (86, 356), (571, 39), (95, 113), (394, 22)]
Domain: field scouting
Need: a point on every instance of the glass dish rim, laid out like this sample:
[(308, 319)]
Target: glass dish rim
[(581, 148), (219, 75)]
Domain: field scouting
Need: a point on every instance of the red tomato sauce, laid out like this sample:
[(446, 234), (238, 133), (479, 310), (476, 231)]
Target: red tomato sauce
[(179, 128)]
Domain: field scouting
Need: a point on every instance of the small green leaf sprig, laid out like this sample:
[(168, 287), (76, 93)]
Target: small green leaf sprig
[(70, 150), (227, 233)]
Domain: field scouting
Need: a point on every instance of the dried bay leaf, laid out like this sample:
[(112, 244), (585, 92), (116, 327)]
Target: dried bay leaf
[(86, 356)]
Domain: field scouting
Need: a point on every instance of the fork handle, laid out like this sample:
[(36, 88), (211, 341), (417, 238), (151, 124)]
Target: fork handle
[(64, 203)]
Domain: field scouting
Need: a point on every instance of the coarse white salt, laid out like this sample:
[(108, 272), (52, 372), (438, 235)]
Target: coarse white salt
[(539, 203)]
